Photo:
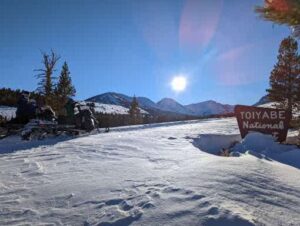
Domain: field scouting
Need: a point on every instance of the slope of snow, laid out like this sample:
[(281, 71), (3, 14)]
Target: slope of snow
[(110, 98), (161, 175), (111, 109), (210, 108), (122, 100), (8, 112)]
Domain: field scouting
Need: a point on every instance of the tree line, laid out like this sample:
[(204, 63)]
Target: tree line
[(10, 97)]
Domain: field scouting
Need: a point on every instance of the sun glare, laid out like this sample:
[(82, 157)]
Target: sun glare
[(179, 83)]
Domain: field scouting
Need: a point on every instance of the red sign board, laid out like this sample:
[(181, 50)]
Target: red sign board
[(264, 120)]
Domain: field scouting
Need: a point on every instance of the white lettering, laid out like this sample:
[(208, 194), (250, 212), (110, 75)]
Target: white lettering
[(273, 114), (246, 125), (265, 115), (242, 114), (258, 113), (248, 115), (281, 115), (258, 125)]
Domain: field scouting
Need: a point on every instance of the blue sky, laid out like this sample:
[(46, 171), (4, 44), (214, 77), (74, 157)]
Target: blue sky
[(138, 46)]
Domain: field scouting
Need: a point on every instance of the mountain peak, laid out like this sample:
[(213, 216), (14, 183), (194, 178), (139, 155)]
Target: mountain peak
[(210, 107), (167, 99), (165, 105), (169, 104)]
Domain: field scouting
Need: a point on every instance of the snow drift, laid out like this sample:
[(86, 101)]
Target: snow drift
[(149, 176), (265, 146)]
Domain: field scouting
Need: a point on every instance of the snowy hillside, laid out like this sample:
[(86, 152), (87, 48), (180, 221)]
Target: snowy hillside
[(160, 175), (169, 104), (113, 109), (111, 98), (210, 108), (122, 100), (8, 112)]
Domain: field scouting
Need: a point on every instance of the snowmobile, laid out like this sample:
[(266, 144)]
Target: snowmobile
[(43, 122), (39, 129), (46, 125)]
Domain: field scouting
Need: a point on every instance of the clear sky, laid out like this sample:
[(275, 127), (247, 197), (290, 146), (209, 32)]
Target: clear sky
[(137, 46)]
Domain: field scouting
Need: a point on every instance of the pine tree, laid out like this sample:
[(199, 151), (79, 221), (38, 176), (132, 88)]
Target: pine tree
[(45, 85), (65, 89), (134, 111), (284, 79)]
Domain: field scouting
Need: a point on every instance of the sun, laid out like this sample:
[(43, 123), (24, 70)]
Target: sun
[(179, 83)]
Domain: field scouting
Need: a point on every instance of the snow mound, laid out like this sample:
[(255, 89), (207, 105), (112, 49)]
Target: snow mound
[(214, 143), (265, 146), (255, 144), (8, 112)]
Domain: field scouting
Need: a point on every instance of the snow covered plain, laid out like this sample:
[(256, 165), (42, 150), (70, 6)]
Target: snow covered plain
[(143, 175)]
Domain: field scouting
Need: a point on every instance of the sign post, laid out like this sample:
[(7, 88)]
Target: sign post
[(264, 120)]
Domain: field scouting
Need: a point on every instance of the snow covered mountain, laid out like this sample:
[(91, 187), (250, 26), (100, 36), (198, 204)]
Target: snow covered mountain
[(169, 104), (109, 109), (125, 101), (111, 98), (166, 106), (122, 100), (210, 108)]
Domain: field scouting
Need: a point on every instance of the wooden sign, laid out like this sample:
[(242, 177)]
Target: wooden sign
[(264, 120)]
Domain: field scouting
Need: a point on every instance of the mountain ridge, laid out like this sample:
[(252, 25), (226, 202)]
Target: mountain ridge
[(165, 105)]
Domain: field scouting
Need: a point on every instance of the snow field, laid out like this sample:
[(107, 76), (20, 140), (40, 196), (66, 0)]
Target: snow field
[(155, 176)]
